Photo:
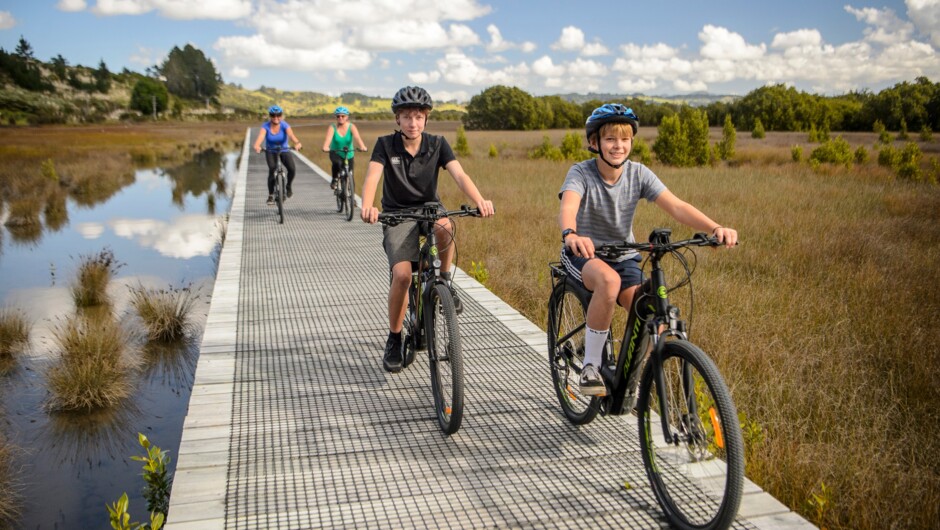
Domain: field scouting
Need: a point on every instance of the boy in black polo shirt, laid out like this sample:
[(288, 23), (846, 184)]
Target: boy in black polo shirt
[(409, 161)]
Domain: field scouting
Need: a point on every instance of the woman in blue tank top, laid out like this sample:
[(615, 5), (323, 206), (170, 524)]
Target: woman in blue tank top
[(275, 134)]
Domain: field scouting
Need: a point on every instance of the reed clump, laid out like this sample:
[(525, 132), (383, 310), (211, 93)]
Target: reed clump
[(94, 274), (166, 312), (10, 489), (93, 370), (14, 333)]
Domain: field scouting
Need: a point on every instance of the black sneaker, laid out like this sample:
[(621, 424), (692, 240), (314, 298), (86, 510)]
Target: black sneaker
[(333, 184), (290, 193), (393, 358), (270, 200)]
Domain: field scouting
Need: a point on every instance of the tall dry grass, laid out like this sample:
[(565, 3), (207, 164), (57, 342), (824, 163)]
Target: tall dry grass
[(95, 271), (10, 488), (14, 332), (166, 313), (94, 369), (822, 320)]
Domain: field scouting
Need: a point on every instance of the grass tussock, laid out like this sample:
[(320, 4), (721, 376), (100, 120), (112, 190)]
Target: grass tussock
[(10, 489), (821, 320), (93, 371), (14, 333), (166, 312), (94, 274)]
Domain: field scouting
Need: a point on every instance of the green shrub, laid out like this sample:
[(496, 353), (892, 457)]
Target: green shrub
[(547, 151), (926, 134), (47, 169), (462, 148), (478, 272), (758, 130), (572, 148), (889, 156), (835, 151), (796, 153), (670, 143), (909, 166), (861, 155), (725, 148), (883, 135), (493, 152), (902, 134), (641, 151)]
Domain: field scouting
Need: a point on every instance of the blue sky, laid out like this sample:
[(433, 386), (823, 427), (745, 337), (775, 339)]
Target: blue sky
[(457, 48)]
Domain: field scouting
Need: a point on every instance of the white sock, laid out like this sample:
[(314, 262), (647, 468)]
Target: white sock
[(594, 346)]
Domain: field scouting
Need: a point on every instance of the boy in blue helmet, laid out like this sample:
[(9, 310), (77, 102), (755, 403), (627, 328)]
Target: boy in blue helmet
[(408, 162), (275, 133), (598, 201)]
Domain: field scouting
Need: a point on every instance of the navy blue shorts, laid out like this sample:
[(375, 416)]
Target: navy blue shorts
[(629, 269)]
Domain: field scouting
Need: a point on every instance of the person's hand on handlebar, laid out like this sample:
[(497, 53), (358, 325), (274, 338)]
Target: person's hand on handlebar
[(486, 208), (369, 214), (581, 246), (726, 236)]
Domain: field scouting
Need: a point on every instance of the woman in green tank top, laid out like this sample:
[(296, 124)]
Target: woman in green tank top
[(340, 135)]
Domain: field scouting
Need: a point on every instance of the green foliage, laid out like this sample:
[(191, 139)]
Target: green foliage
[(547, 151), (189, 74), (493, 151), (813, 136), (478, 272), (903, 134), (23, 71), (796, 153), (909, 164), (670, 143), (572, 148), (836, 151), (757, 131), (725, 148), (504, 108), (861, 155), (462, 148), (564, 114), (819, 503), (695, 125), (59, 67), (926, 134), (157, 478), (146, 94), (883, 135), (889, 156), (121, 520), (102, 78), (641, 151), (47, 170)]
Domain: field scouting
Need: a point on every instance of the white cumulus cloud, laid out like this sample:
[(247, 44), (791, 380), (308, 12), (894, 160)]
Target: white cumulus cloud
[(572, 39), (925, 14), (72, 5), (6, 20)]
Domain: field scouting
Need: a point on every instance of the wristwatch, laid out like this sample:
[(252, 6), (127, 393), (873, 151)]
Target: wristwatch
[(567, 232)]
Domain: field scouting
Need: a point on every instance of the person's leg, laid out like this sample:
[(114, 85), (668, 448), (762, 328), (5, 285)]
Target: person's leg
[(401, 248), (288, 162), (271, 159), (336, 163), (444, 231)]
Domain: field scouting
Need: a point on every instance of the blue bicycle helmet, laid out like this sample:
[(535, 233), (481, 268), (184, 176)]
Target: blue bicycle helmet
[(341, 110), (610, 113), (412, 97), (274, 110)]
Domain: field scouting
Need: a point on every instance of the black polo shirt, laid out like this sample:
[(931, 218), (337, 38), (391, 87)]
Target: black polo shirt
[(410, 181)]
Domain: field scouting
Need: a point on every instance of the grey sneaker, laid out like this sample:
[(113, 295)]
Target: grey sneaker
[(592, 384), (270, 200)]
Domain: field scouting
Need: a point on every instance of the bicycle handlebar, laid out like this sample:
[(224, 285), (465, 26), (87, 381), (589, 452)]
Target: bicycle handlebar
[(279, 149), (426, 213), (659, 244)]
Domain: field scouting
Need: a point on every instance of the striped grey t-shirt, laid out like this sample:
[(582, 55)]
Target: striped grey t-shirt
[(606, 211)]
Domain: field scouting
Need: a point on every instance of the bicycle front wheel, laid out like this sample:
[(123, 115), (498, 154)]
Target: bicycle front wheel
[(566, 328), (697, 469), (340, 190), (349, 192), (446, 358), (279, 196)]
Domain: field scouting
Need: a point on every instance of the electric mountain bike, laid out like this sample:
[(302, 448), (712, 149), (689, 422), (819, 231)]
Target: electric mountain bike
[(280, 181), (431, 320), (688, 424)]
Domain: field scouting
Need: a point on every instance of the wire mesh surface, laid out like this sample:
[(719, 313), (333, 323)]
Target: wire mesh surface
[(323, 437)]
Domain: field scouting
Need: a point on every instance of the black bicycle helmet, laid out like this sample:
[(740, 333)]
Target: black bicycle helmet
[(411, 97), (610, 113)]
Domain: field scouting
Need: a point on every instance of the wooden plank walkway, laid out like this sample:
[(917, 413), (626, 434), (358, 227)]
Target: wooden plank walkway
[(293, 423)]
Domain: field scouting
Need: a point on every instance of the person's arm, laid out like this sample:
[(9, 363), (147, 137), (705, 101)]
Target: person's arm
[(260, 139), (469, 188), (579, 245), (328, 139), (290, 134), (690, 216), (369, 212), (357, 139)]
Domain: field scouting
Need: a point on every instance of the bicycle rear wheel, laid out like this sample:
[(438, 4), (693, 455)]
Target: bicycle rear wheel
[(279, 196), (698, 474), (566, 328), (340, 190), (446, 358), (349, 193)]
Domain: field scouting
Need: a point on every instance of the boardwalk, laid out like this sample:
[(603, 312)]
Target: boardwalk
[(294, 424)]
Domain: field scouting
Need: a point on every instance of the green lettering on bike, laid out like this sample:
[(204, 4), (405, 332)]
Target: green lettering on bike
[(649, 442), (633, 341), (434, 251), (661, 292)]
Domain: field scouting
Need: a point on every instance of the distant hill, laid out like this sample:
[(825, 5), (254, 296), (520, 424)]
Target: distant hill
[(698, 99)]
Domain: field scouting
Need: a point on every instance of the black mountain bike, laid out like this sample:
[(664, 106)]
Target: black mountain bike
[(280, 181), (431, 321), (688, 424), (345, 187)]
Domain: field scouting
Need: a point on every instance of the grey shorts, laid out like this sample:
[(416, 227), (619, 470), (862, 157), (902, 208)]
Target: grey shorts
[(628, 269), (401, 242)]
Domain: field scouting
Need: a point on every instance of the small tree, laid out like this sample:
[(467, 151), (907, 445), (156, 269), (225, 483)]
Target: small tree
[(149, 96), (641, 151), (493, 152), (462, 148), (882, 133), (925, 133), (670, 141), (758, 130), (725, 148), (102, 78), (24, 50)]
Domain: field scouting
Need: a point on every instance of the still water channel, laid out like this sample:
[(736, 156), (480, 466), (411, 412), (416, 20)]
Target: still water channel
[(165, 226)]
